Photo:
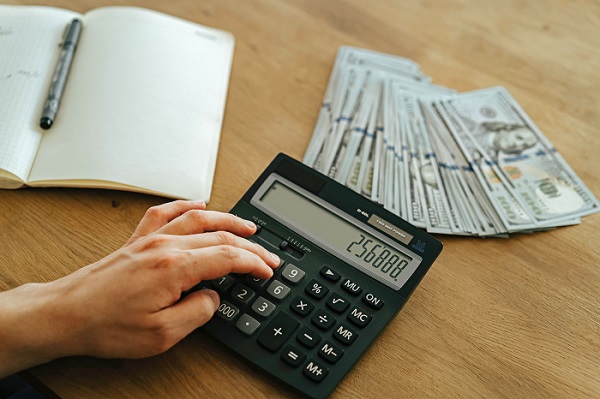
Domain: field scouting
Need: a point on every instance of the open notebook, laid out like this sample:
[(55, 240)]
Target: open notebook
[(142, 108)]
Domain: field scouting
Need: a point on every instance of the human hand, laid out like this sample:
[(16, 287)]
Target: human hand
[(128, 304)]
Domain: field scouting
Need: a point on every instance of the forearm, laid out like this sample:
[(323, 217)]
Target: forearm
[(30, 327)]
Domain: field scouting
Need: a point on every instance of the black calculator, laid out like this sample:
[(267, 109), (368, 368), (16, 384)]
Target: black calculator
[(347, 267)]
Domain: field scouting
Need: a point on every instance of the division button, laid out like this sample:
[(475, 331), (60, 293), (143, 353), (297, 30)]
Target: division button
[(323, 320)]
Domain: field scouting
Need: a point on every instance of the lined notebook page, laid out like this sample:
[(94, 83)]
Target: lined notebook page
[(29, 49)]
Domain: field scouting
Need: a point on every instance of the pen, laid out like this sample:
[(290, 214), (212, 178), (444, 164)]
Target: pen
[(60, 75)]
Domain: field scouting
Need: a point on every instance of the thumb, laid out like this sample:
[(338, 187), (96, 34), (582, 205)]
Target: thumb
[(193, 311)]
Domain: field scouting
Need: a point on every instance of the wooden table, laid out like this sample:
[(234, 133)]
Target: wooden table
[(494, 318)]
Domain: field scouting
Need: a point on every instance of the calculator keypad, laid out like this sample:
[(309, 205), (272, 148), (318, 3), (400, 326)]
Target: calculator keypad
[(334, 309)]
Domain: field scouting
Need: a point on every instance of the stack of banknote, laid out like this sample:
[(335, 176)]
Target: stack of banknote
[(453, 163)]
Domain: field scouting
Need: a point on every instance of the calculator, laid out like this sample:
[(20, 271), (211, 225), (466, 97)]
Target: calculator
[(347, 267)]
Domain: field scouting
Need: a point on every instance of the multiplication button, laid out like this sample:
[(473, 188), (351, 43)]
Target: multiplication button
[(301, 306)]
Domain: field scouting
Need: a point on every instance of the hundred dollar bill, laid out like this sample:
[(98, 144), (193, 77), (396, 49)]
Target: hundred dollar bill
[(521, 155)]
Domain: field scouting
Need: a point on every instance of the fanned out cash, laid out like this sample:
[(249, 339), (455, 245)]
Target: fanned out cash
[(453, 163)]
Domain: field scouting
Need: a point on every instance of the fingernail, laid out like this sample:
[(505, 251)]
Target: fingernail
[(214, 296), (199, 202), (275, 258), (250, 224)]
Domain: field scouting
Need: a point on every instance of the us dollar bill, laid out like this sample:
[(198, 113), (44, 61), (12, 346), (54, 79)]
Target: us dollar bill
[(521, 156)]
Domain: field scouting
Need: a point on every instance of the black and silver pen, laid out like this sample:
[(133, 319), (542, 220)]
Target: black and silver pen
[(60, 76)]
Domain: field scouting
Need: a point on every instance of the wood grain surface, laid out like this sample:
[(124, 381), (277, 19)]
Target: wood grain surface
[(494, 318)]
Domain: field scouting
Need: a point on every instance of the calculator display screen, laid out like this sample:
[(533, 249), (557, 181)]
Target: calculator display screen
[(362, 249)]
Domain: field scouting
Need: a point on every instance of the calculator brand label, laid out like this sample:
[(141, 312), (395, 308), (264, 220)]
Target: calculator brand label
[(390, 229)]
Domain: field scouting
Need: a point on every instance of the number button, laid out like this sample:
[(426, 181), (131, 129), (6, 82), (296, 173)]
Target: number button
[(241, 293), (301, 306), (337, 303), (255, 282), (278, 290), (292, 274), (227, 311), (316, 289), (263, 307), (247, 324), (223, 283)]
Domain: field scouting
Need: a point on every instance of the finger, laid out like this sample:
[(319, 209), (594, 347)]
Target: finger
[(205, 240), (158, 216), (197, 221), (190, 313), (216, 261)]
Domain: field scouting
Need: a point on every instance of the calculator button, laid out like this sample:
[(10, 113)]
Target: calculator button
[(227, 311), (351, 287), (337, 303), (315, 371), (308, 337), (373, 301), (255, 282), (358, 317), (330, 274), (345, 334), (247, 324), (277, 331), (278, 290), (292, 356), (292, 274), (316, 289), (263, 307), (323, 320), (223, 283), (241, 293), (330, 352), (301, 306)]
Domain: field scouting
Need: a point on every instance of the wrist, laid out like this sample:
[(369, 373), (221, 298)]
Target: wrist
[(31, 329)]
